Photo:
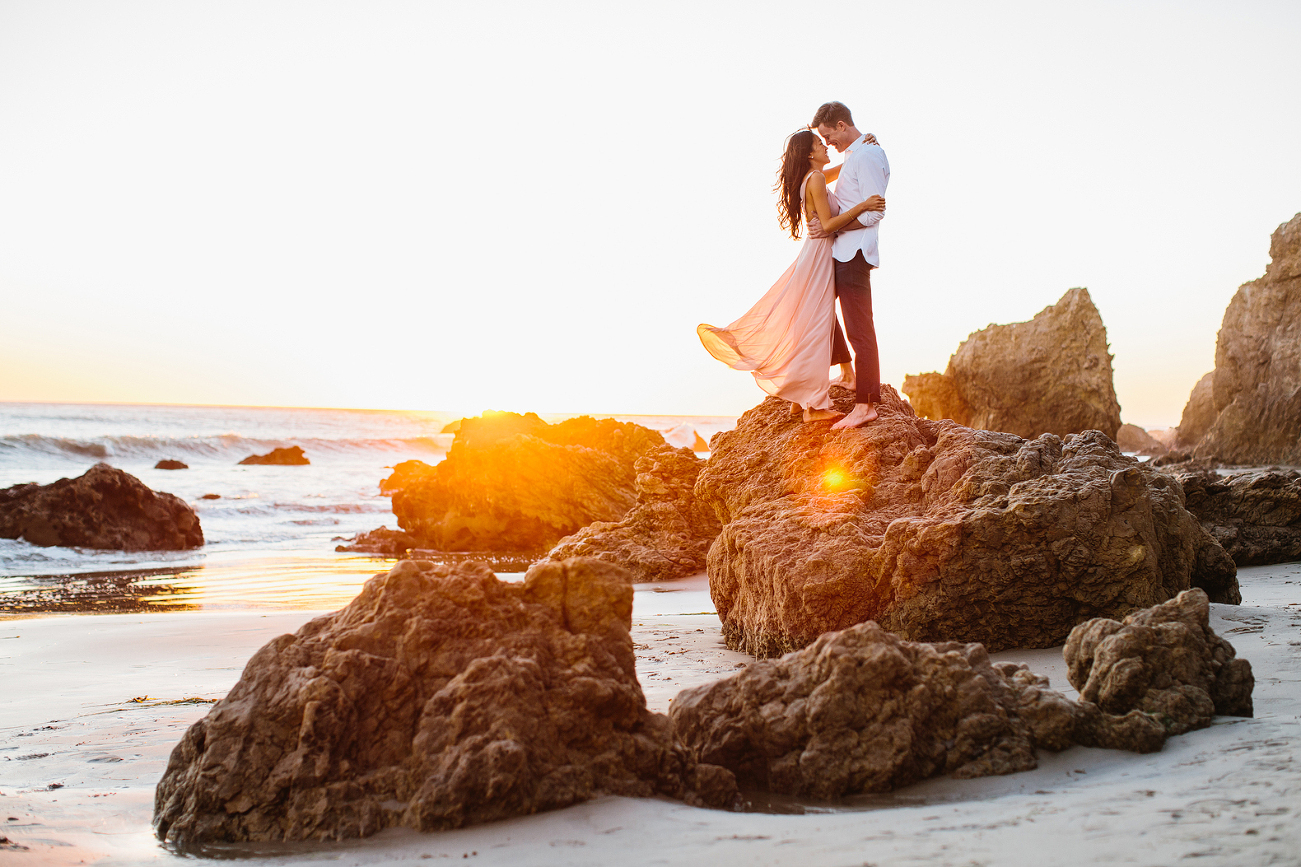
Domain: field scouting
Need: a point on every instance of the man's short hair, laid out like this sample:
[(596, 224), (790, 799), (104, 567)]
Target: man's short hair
[(832, 113)]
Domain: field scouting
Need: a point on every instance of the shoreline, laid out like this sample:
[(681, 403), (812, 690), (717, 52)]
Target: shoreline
[(1229, 793)]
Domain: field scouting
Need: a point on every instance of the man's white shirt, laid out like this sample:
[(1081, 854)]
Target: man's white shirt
[(864, 173)]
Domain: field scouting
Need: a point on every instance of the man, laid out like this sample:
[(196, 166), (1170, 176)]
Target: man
[(865, 172)]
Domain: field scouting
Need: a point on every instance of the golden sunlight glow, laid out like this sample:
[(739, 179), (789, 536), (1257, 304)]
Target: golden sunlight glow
[(836, 479)]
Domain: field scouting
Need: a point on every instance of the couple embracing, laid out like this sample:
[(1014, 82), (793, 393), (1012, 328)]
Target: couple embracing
[(790, 339)]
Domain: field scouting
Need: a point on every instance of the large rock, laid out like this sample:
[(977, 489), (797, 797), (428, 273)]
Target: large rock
[(440, 697), (1255, 516), (1198, 414), (104, 508), (291, 456), (513, 483), (404, 475), (1132, 438), (862, 710), (1165, 662), (666, 536), (382, 540), (1257, 384), (1049, 375), (939, 532)]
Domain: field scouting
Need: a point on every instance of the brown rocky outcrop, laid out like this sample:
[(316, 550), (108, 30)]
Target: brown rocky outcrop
[(1257, 377), (440, 697), (666, 536), (404, 475), (1165, 662), (169, 464), (1049, 375), (1198, 414), (382, 540), (103, 508), (1255, 516), (513, 483), (936, 395), (291, 456), (1132, 438), (938, 532), (863, 710)]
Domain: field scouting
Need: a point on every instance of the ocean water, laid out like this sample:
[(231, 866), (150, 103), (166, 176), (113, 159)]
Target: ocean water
[(270, 535)]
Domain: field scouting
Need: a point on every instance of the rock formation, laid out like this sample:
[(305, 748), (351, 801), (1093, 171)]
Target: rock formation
[(1049, 375), (1257, 379), (440, 697), (1255, 516), (938, 532), (862, 710), (1199, 413), (1132, 438), (515, 483), (1165, 662), (381, 540), (171, 465), (104, 508), (290, 457), (404, 475), (666, 536)]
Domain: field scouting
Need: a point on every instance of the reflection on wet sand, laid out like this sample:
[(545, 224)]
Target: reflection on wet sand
[(286, 582), (100, 592)]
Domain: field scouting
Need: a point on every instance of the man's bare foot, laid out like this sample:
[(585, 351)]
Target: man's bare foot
[(861, 414), (821, 414)]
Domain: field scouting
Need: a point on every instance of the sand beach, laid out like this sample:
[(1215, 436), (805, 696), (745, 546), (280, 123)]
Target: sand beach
[(94, 704)]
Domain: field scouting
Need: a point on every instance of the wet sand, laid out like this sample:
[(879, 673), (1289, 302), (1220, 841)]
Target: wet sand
[(91, 706)]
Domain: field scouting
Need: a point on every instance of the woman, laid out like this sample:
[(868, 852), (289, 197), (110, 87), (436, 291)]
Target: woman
[(785, 338)]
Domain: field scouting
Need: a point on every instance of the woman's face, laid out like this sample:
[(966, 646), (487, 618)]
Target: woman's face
[(818, 156)]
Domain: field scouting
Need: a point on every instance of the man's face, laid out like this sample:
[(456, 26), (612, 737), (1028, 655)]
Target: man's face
[(838, 136)]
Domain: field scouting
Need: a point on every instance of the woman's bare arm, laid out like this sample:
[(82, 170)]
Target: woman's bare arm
[(817, 191)]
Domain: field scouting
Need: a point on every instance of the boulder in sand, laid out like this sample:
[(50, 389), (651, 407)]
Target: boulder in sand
[(863, 710), (666, 536), (1255, 515), (291, 456), (440, 697), (939, 532), (1257, 379), (513, 483), (1165, 662), (104, 508), (1049, 375)]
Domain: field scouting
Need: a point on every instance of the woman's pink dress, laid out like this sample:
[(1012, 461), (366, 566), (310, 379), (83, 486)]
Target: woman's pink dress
[(785, 338)]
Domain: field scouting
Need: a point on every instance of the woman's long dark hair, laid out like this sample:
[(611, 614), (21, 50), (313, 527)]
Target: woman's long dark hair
[(795, 165)]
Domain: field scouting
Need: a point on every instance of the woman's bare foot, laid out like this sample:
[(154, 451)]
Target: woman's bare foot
[(796, 409), (821, 414), (846, 378), (861, 414)]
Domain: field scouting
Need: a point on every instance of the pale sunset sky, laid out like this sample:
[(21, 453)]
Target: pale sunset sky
[(530, 206)]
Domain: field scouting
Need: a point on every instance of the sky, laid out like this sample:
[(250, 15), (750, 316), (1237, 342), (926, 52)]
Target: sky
[(530, 206)]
